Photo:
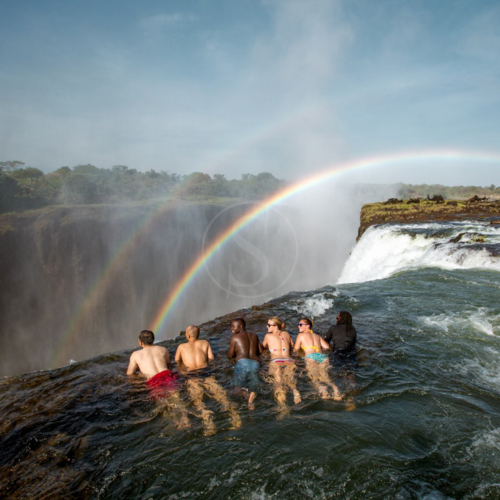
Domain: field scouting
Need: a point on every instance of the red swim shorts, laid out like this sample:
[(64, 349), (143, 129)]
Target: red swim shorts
[(163, 383)]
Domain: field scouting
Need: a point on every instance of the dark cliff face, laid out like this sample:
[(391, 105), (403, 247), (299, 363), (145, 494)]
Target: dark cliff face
[(67, 288)]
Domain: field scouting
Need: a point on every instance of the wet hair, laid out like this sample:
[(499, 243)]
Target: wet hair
[(345, 319), (241, 321), (193, 331), (277, 322), (147, 337), (308, 321)]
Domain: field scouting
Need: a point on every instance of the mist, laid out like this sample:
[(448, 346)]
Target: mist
[(70, 291), (230, 88)]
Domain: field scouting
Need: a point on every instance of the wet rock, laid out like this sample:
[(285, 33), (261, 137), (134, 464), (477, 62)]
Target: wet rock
[(476, 199)]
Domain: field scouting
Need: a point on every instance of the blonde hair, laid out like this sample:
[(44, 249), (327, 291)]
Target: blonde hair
[(277, 322)]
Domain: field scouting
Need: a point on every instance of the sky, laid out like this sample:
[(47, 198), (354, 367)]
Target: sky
[(240, 86)]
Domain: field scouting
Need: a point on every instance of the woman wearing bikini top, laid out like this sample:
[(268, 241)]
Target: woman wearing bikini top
[(282, 366), (278, 341), (317, 363)]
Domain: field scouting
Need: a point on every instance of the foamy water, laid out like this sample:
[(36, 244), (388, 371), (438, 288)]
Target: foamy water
[(385, 250)]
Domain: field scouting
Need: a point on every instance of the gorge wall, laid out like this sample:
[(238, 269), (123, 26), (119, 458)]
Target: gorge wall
[(63, 293)]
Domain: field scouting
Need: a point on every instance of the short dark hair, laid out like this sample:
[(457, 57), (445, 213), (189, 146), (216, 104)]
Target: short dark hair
[(308, 321), (147, 337), (241, 321)]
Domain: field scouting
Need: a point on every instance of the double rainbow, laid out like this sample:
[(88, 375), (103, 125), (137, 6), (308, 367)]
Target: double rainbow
[(291, 190), (129, 243)]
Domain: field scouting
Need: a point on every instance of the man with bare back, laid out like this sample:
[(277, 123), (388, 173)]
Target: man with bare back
[(246, 348), (153, 361), (195, 354)]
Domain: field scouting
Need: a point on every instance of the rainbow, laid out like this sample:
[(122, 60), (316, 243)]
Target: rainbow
[(291, 190)]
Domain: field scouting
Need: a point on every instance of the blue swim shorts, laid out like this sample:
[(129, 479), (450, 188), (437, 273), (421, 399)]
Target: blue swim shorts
[(246, 374)]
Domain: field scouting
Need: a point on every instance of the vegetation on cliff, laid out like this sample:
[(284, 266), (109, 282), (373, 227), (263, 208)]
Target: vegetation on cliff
[(23, 188), (28, 188), (408, 191), (422, 210)]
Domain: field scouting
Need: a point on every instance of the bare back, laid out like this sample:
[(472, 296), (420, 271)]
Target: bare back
[(150, 360), (310, 342), (245, 345), (280, 344), (194, 354)]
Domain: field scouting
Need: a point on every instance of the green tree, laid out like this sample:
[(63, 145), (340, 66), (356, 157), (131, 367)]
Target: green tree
[(7, 166)]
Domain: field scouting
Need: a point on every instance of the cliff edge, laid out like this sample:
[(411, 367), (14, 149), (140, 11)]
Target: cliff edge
[(427, 210)]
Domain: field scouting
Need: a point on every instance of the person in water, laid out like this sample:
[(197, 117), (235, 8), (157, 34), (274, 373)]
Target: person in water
[(282, 366), (317, 363), (153, 361), (195, 354), (246, 348), (342, 336)]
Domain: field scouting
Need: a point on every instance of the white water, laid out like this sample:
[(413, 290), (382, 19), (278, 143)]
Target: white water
[(313, 306), (385, 250)]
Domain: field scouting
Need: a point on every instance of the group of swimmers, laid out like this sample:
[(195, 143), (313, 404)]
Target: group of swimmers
[(194, 356)]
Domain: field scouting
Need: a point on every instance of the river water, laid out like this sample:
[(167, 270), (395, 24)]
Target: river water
[(420, 417)]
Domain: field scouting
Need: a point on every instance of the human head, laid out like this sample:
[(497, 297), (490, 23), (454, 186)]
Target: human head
[(147, 337), (275, 324), (192, 332), (344, 318), (305, 324), (238, 325)]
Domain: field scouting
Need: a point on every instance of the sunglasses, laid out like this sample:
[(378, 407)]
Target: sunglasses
[(302, 324)]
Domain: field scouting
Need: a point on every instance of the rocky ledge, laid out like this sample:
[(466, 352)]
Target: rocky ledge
[(426, 210)]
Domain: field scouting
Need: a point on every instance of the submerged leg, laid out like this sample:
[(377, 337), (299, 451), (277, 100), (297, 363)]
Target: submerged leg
[(195, 390), (219, 394), (291, 381), (313, 374), (175, 405), (279, 389), (324, 377)]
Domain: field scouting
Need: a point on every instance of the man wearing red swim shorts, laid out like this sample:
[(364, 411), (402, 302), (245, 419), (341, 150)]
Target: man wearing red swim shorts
[(154, 362)]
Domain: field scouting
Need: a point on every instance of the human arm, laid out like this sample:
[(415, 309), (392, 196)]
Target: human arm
[(265, 343), (132, 366), (328, 335), (210, 353), (178, 354), (232, 350), (324, 344), (298, 343)]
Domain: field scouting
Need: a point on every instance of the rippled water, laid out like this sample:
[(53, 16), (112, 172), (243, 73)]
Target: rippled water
[(421, 416)]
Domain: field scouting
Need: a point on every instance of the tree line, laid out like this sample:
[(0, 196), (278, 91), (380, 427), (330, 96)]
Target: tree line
[(23, 188), (408, 191)]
